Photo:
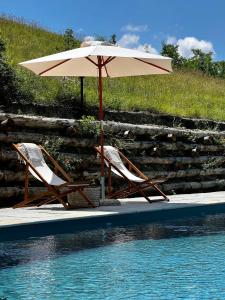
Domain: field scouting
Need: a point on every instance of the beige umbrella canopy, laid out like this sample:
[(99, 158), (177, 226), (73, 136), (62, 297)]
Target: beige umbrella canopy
[(114, 62), (100, 61)]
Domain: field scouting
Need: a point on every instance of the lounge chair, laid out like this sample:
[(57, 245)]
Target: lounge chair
[(57, 188), (136, 183)]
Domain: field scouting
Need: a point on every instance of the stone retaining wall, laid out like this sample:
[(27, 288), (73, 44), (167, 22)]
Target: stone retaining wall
[(192, 160), (134, 117)]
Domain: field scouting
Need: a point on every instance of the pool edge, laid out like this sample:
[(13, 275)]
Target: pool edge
[(72, 225)]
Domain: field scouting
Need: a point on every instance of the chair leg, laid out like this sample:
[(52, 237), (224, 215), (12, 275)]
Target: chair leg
[(160, 192), (46, 201), (28, 200), (54, 195), (60, 196), (146, 197), (140, 189), (109, 180), (26, 188), (86, 197)]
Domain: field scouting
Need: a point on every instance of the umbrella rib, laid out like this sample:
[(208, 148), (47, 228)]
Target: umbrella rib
[(106, 71), (60, 63), (108, 60), (102, 64), (88, 58), (153, 65)]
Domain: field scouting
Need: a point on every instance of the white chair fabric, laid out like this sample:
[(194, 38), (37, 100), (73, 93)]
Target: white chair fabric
[(36, 158), (113, 156)]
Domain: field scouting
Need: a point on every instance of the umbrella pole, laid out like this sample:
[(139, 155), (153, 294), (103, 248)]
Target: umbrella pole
[(82, 94), (102, 182)]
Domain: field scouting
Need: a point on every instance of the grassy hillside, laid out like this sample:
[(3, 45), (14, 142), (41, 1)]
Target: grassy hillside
[(28, 41), (180, 93)]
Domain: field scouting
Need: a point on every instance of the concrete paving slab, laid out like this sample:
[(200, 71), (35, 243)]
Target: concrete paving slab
[(55, 212)]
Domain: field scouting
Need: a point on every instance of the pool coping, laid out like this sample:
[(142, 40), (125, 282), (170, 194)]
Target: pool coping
[(109, 219)]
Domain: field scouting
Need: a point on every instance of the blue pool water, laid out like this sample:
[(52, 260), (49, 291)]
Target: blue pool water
[(183, 259)]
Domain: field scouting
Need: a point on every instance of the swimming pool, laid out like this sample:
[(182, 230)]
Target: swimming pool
[(179, 259)]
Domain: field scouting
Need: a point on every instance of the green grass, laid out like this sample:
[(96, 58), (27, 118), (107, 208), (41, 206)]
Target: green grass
[(180, 93), (27, 41)]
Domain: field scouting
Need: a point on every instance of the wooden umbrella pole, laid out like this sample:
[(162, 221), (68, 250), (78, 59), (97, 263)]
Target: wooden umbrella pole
[(101, 127), (82, 94)]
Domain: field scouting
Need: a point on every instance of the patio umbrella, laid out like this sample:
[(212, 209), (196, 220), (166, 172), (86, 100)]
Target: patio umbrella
[(100, 61)]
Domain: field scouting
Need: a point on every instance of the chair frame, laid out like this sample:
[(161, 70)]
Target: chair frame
[(54, 192), (133, 187)]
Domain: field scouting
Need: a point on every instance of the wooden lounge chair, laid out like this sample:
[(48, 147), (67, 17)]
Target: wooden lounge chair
[(136, 183), (57, 188)]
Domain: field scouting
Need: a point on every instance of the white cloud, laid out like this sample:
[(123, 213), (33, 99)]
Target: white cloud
[(188, 43), (147, 48), (128, 40), (89, 38), (135, 28)]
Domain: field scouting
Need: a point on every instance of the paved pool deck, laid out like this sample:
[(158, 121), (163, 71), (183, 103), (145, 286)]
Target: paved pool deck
[(55, 212), (29, 222)]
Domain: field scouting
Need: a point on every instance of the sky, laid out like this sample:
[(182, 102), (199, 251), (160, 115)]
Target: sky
[(140, 24)]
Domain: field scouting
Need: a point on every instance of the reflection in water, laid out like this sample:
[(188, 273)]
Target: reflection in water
[(19, 252), (14, 253)]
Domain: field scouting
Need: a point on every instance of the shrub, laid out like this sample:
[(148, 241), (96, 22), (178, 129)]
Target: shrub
[(68, 92), (88, 127), (10, 88), (54, 146)]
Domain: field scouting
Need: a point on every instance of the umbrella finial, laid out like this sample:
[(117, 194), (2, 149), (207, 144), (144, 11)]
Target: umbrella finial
[(88, 43)]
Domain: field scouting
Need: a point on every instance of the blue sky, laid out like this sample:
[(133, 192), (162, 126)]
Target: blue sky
[(136, 23)]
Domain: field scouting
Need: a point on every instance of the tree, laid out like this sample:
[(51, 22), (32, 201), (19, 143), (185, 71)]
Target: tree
[(112, 39), (2, 48), (100, 38), (201, 61), (218, 69), (146, 48), (10, 88), (70, 41), (171, 51)]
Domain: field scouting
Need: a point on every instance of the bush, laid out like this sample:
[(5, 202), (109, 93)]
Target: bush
[(68, 93), (89, 127), (171, 51), (10, 88)]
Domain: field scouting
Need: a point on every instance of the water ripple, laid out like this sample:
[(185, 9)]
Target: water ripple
[(183, 259)]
